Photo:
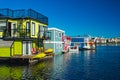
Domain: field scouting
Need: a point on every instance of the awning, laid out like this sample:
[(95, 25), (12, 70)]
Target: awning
[(5, 43)]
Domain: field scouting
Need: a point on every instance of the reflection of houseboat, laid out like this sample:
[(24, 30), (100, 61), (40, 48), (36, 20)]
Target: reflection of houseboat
[(20, 32), (55, 40), (83, 42)]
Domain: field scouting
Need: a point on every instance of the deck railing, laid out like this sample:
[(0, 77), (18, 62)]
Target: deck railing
[(23, 14), (23, 34), (16, 33)]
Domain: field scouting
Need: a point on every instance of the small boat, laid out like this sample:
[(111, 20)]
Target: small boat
[(73, 49), (50, 50), (88, 47), (39, 55)]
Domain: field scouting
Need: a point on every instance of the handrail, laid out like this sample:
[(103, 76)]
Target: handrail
[(16, 33), (21, 13)]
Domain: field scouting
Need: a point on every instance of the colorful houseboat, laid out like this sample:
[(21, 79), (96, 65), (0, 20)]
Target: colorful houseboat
[(66, 43), (83, 42), (21, 31), (55, 41)]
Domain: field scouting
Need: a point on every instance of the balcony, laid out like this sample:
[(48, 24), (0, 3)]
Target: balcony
[(23, 34), (14, 34), (31, 14)]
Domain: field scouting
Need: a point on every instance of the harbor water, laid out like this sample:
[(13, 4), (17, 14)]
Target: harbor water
[(100, 64)]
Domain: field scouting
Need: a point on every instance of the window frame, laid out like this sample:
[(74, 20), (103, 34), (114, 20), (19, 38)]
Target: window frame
[(28, 27), (33, 29), (3, 25)]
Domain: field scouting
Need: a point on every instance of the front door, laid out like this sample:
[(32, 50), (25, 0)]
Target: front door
[(27, 47), (9, 29)]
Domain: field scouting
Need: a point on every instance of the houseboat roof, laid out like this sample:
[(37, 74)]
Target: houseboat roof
[(21, 13), (56, 29), (79, 37)]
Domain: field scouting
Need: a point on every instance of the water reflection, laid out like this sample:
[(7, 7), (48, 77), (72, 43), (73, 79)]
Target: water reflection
[(88, 56), (51, 69), (109, 44), (10, 73), (40, 71), (100, 64)]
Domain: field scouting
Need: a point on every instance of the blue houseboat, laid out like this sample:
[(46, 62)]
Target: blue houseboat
[(83, 42), (55, 41)]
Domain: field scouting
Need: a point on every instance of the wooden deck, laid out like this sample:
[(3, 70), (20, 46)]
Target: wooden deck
[(30, 59), (22, 57), (26, 59)]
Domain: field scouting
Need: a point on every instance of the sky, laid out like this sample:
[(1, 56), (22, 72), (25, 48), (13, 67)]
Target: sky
[(76, 17)]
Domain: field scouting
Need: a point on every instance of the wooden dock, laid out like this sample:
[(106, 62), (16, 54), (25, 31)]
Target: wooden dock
[(33, 61), (22, 57), (29, 58), (25, 59)]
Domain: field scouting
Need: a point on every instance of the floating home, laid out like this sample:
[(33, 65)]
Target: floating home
[(66, 43), (20, 32), (83, 42), (55, 41)]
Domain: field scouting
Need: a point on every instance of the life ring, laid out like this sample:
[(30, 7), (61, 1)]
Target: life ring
[(34, 50)]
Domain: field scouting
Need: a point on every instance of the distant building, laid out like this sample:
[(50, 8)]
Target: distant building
[(100, 40)]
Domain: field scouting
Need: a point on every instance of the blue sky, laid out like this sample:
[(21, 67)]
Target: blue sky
[(76, 17)]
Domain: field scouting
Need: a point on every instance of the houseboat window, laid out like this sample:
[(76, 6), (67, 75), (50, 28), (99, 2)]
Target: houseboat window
[(49, 35), (1, 28), (45, 29), (56, 33), (60, 34), (28, 27), (57, 46), (14, 28), (2, 25), (60, 45), (33, 29), (41, 30)]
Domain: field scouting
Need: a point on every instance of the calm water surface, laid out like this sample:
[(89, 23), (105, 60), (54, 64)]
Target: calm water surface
[(100, 64)]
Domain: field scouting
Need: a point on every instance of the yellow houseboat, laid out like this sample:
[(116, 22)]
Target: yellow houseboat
[(20, 32)]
